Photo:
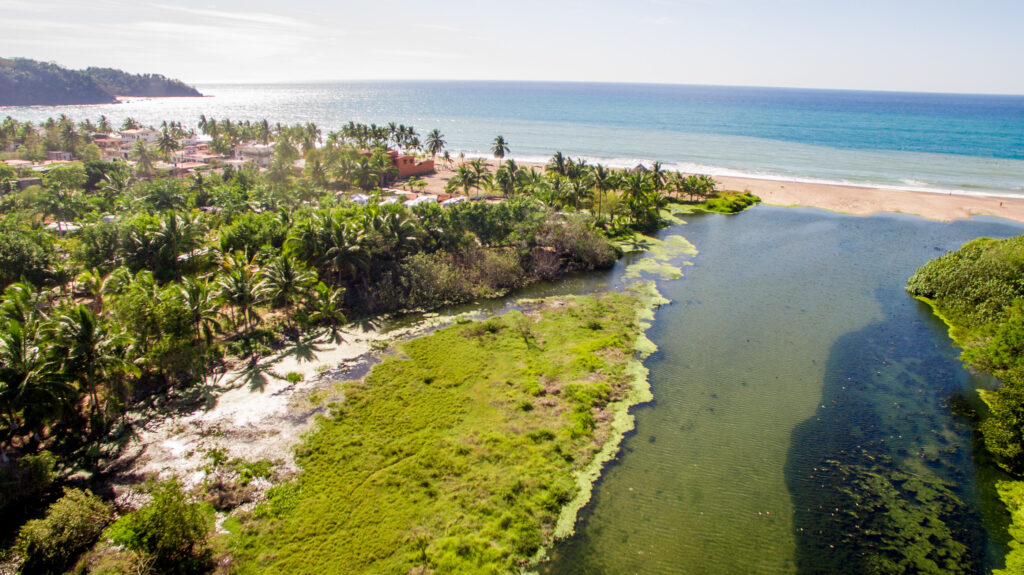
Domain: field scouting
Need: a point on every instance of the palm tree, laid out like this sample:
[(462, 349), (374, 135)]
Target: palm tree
[(285, 280), (559, 164), (239, 288), (602, 180), (506, 177), (167, 144), (480, 174), (203, 309), (33, 392), (346, 252), (143, 158), (92, 353), (324, 305), (435, 143), (499, 148), (104, 126), (464, 178)]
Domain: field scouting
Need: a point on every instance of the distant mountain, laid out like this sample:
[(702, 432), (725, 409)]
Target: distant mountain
[(25, 82)]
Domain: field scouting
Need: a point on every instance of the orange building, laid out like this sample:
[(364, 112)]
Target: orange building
[(407, 164)]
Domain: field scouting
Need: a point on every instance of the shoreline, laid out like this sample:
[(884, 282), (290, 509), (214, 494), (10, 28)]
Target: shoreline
[(842, 198)]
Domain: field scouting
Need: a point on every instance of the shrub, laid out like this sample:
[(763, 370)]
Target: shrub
[(171, 529), (71, 525), (26, 480), (730, 202), (22, 254)]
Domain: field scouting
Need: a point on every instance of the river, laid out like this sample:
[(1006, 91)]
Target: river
[(801, 401)]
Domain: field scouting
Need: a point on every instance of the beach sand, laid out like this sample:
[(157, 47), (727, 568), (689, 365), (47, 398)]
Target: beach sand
[(853, 200)]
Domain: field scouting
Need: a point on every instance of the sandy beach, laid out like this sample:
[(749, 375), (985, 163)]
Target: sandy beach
[(861, 201)]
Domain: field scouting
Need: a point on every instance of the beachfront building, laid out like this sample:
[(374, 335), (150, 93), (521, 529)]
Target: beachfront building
[(260, 154), (407, 165), (147, 135)]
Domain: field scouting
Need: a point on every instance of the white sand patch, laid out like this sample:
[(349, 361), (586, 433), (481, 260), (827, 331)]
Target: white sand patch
[(258, 414)]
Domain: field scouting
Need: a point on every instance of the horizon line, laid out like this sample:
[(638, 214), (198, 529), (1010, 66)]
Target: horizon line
[(600, 82)]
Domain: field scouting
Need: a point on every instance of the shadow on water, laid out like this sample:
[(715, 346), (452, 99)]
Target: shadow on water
[(881, 476)]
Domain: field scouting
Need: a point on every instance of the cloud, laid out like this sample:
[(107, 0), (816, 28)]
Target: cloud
[(260, 18), (440, 28), (422, 54)]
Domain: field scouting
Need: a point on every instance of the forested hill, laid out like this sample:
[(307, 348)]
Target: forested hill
[(151, 85), (25, 82)]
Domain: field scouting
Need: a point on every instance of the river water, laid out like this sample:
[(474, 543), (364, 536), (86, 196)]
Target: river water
[(801, 408)]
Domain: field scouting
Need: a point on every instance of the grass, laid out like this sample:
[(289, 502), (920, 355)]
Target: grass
[(729, 202), (457, 453)]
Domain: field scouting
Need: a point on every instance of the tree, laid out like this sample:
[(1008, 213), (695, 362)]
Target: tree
[(602, 180), (33, 392), (435, 143), (167, 144), (143, 159), (170, 529), (464, 178), (93, 354), (72, 524), (480, 174), (285, 281), (506, 178), (499, 148), (203, 308), (240, 289), (559, 164)]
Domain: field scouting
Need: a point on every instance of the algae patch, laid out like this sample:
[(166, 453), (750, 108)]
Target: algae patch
[(664, 259), (622, 421)]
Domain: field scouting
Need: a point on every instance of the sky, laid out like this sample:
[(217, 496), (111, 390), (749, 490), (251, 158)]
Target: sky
[(901, 45)]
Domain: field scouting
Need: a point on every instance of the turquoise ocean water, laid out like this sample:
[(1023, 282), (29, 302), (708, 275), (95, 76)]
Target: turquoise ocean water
[(934, 142)]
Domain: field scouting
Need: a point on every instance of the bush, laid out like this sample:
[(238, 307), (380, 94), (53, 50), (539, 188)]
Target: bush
[(22, 254), (71, 525), (26, 480), (171, 529), (730, 202), (580, 247)]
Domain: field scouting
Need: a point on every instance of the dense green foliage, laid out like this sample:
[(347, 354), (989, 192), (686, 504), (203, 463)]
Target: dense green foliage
[(730, 202), (25, 82), (171, 530), (979, 291), (456, 455), (70, 526)]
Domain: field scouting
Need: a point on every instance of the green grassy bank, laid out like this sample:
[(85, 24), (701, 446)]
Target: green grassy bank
[(978, 291), (459, 451)]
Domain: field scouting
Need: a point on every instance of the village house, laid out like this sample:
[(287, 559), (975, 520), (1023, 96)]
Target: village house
[(407, 165), (260, 154), (148, 135), (59, 156)]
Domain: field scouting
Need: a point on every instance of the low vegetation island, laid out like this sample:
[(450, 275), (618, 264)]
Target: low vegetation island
[(25, 82)]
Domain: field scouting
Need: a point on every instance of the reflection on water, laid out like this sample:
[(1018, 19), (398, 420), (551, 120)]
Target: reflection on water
[(791, 345)]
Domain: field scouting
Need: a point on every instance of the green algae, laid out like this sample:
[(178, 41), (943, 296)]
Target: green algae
[(622, 420), (659, 254), (1012, 495), (890, 521)]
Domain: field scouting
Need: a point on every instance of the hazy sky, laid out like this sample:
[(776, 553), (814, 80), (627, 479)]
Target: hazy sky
[(920, 45)]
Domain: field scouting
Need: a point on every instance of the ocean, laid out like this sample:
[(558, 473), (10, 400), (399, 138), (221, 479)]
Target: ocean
[(970, 144)]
